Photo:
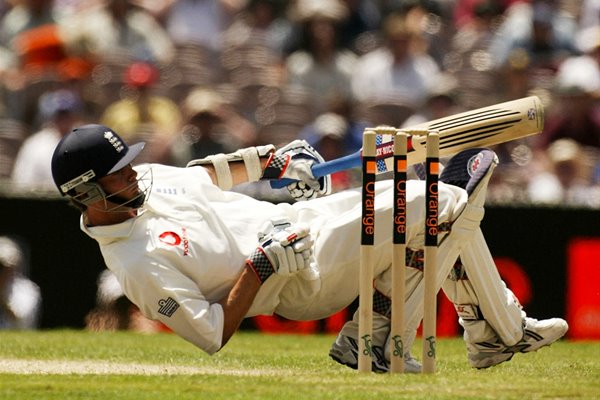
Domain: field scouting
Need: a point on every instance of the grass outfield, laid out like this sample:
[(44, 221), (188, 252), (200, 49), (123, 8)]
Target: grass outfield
[(68, 364)]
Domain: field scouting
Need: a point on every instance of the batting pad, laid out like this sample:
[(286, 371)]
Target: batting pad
[(496, 302), (463, 229)]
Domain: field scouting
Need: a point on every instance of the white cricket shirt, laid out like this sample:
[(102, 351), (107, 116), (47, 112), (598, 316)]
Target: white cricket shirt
[(187, 247), (185, 250)]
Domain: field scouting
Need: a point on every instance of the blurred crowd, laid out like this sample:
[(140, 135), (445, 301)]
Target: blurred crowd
[(20, 298), (198, 77)]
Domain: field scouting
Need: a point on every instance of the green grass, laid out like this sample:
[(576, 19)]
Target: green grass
[(255, 366)]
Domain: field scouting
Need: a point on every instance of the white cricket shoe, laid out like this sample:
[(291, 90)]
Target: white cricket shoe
[(345, 348), (536, 334)]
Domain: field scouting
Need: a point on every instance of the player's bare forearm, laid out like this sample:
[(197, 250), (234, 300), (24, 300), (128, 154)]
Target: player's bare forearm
[(237, 303)]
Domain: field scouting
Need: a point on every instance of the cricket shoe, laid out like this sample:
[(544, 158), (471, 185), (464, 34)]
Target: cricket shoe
[(536, 334), (345, 349)]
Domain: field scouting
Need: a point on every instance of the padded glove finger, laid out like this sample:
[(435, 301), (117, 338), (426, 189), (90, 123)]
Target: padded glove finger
[(303, 244), (283, 251)]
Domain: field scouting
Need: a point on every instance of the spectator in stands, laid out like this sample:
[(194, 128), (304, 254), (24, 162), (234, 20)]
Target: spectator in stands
[(4, 7), (539, 31), (20, 298), (431, 25), (348, 110), (468, 57), (565, 178), (261, 23), (321, 66), (589, 15), (577, 112), (200, 22), (465, 12), (441, 101), (359, 29), (60, 112), (330, 135), (117, 29), (113, 311), (394, 73), (254, 49), (211, 126), (32, 50), (144, 114), (588, 41), (25, 16)]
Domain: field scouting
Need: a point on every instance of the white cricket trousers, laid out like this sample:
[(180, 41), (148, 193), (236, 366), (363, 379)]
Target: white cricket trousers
[(335, 226)]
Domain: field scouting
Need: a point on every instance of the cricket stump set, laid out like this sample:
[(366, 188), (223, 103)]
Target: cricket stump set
[(399, 247), (427, 142)]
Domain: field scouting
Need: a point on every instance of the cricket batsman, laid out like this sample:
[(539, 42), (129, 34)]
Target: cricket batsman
[(200, 258)]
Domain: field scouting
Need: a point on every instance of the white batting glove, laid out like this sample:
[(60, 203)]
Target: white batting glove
[(284, 252), (294, 161)]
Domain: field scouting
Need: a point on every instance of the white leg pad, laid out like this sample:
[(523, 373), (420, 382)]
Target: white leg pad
[(463, 229), (462, 294), (485, 288)]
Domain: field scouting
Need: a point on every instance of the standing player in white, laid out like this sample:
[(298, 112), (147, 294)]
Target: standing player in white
[(200, 258)]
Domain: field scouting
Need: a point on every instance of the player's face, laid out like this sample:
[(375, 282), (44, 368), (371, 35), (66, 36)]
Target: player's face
[(122, 183)]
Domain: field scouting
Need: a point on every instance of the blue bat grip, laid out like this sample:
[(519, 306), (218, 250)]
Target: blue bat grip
[(329, 167)]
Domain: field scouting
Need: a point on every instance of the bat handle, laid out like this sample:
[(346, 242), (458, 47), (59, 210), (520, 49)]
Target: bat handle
[(326, 168)]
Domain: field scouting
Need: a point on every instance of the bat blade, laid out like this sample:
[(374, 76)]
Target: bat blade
[(482, 127)]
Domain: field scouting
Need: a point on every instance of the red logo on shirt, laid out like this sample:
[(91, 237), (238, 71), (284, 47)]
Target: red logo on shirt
[(173, 239), (170, 238)]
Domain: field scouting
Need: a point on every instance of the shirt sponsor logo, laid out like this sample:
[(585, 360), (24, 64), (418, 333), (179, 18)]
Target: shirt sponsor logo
[(173, 239), (170, 238), (167, 307), (186, 242)]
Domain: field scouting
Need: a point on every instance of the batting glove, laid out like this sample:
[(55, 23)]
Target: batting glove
[(294, 161), (283, 251)]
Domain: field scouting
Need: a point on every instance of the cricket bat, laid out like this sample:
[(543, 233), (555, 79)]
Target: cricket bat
[(482, 127)]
